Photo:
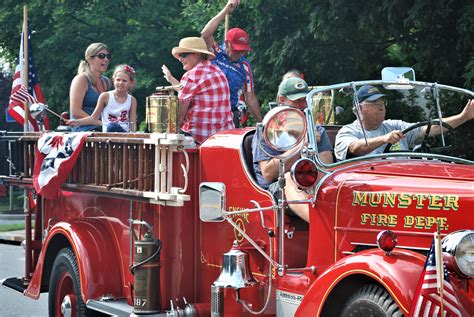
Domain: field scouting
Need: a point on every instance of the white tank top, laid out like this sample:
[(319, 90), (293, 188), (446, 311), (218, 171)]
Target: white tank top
[(116, 112)]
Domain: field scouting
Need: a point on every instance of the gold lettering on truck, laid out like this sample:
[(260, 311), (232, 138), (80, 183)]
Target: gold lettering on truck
[(404, 201)]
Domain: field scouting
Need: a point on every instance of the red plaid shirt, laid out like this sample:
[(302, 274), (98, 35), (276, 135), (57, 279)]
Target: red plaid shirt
[(207, 90)]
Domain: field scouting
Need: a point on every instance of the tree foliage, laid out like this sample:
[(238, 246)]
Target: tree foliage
[(330, 41)]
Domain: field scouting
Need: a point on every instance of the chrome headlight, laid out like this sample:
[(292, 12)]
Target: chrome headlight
[(284, 128), (458, 248)]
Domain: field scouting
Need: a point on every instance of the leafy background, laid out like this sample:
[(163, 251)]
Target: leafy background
[(330, 41)]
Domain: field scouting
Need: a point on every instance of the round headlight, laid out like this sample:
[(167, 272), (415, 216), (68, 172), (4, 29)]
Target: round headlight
[(459, 246), (284, 128)]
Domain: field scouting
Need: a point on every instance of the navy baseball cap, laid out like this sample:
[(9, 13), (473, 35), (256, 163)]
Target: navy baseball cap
[(369, 93)]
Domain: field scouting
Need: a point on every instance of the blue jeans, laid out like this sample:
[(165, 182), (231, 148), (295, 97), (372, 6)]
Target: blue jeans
[(115, 127)]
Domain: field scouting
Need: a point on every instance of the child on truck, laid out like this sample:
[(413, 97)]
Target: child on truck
[(117, 109)]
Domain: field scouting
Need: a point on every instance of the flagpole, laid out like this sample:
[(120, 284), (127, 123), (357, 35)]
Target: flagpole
[(25, 65), (27, 211), (226, 24), (439, 269)]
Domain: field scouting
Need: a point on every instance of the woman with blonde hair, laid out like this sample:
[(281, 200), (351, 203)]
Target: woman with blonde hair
[(89, 83), (116, 110)]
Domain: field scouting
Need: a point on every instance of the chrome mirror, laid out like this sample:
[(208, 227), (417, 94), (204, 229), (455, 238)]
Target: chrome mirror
[(401, 75), (211, 202), (38, 111), (284, 128)]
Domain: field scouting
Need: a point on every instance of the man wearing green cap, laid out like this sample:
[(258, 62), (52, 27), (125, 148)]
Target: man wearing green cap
[(291, 92)]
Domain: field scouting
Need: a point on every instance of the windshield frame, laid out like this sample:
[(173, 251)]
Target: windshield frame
[(312, 151)]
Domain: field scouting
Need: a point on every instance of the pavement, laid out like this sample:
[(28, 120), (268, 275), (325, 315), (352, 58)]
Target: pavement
[(15, 236)]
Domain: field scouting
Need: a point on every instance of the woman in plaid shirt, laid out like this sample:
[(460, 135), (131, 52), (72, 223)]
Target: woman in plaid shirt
[(204, 99)]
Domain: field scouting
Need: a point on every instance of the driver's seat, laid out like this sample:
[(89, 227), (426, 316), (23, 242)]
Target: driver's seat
[(247, 153)]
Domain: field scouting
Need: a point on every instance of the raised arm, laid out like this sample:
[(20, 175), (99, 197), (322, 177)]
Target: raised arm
[(168, 76), (208, 31), (455, 121)]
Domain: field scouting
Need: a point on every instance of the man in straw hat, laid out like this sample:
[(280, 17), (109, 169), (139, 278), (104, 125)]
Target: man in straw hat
[(204, 103), (231, 60)]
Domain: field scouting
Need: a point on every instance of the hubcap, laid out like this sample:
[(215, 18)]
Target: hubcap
[(66, 307), (65, 301)]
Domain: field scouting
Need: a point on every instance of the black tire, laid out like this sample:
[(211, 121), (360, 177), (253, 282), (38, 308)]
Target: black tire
[(371, 301), (65, 282)]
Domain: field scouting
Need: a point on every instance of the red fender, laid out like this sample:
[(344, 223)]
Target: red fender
[(100, 268), (398, 273)]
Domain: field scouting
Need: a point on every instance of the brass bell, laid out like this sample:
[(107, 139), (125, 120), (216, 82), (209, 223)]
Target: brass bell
[(236, 271)]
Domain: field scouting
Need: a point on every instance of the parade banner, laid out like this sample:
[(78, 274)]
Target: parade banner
[(55, 157)]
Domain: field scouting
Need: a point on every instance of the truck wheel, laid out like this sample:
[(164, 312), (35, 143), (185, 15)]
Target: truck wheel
[(371, 301), (65, 297)]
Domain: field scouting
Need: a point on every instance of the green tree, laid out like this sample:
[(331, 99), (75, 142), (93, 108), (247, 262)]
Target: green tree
[(330, 41), (139, 33)]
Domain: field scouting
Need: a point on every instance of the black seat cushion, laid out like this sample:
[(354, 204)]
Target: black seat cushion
[(247, 152)]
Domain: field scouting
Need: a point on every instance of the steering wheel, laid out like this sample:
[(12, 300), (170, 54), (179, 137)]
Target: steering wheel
[(425, 147)]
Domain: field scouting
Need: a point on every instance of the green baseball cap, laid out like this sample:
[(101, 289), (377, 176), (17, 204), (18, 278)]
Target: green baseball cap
[(293, 88)]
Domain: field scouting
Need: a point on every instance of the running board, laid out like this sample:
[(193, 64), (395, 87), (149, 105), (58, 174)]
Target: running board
[(14, 283), (116, 307)]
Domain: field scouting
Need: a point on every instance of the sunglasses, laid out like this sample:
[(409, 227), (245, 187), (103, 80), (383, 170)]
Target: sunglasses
[(102, 56), (183, 55)]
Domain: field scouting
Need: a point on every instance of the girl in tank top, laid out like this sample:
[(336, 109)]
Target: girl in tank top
[(116, 110)]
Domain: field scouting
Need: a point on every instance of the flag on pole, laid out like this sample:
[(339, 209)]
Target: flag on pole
[(21, 94), (56, 155), (16, 107), (427, 300)]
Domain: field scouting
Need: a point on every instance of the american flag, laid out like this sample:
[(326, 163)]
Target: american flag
[(15, 107), (427, 300), (21, 94)]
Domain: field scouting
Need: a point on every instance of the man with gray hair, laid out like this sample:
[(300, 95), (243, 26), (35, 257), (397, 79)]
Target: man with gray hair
[(350, 141)]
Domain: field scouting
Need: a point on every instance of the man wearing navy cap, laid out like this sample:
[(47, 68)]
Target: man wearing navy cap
[(230, 58), (350, 141)]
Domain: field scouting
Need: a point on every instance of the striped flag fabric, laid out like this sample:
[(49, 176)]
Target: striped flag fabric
[(21, 94), (427, 299), (16, 106)]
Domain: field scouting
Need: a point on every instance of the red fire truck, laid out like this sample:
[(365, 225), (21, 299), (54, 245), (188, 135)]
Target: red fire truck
[(145, 224)]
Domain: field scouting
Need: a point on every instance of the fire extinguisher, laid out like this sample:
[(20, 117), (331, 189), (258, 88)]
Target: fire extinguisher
[(146, 271)]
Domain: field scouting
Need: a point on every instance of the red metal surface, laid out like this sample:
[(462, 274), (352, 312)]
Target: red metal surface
[(352, 206), (398, 273)]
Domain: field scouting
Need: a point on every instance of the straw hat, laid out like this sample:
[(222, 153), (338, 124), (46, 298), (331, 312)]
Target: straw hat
[(191, 45)]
